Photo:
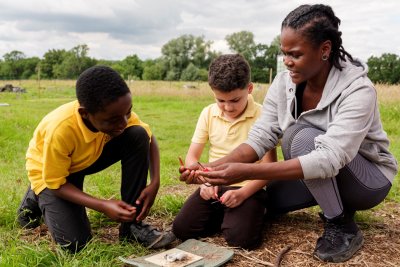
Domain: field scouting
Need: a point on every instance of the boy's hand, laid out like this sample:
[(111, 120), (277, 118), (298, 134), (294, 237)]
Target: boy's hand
[(208, 192), (146, 200), (233, 198), (189, 175), (118, 210)]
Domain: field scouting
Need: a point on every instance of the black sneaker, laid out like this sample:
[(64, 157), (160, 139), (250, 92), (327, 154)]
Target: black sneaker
[(29, 213), (340, 241), (147, 235)]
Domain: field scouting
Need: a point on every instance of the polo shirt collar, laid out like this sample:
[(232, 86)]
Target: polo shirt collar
[(88, 135)]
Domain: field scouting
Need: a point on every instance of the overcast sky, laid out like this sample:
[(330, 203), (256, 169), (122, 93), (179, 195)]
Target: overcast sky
[(114, 29)]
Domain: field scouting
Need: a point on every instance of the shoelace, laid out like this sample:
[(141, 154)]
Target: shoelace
[(149, 229), (331, 233)]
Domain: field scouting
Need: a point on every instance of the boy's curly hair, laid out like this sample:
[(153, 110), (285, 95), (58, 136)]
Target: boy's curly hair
[(99, 86), (229, 72)]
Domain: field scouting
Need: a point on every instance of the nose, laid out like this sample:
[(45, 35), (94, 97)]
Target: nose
[(124, 122), (228, 107), (287, 60)]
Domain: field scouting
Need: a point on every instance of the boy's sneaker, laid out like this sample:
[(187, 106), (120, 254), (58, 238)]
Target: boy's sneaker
[(29, 213), (147, 235), (340, 241)]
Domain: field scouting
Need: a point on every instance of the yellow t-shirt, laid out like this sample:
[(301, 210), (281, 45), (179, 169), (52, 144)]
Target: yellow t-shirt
[(224, 135), (62, 144)]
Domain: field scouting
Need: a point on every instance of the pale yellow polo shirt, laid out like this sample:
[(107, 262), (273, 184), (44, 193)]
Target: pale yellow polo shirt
[(62, 144), (223, 135)]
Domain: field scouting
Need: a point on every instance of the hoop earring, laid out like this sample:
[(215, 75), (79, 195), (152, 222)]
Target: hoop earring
[(325, 57)]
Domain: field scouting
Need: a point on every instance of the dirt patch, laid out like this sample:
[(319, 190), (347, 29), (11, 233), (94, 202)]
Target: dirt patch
[(300, 230), (292, 238), (296, 233)]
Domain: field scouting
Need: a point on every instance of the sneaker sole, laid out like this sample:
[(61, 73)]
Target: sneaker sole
[(165, 240), (354, 246)]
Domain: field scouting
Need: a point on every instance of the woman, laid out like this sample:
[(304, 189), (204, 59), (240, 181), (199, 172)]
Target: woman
[(324, 109)]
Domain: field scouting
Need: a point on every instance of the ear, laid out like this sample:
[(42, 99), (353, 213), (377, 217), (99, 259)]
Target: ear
[(326, 48), (83, 112), (250, 88)]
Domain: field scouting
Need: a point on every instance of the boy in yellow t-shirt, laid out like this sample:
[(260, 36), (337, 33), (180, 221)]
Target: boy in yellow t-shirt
[(84, 137), (225, 125)]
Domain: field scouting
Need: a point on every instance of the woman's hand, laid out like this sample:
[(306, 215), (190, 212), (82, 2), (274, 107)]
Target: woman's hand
[(224, 174), (208, 192), (118, 210)]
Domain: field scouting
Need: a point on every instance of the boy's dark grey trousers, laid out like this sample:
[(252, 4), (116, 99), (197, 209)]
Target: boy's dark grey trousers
[(68, 223)]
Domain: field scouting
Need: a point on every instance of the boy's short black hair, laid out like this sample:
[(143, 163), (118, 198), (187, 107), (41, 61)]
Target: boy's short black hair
[(229, 72), (98, 86)]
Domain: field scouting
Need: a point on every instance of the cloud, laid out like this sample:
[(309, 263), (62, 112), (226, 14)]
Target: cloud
[(114, 29)]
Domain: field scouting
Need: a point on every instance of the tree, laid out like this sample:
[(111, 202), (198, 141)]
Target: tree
[(180, 52), (29, 67), (50, 59), (273, 51), (385, 69), (74, 63), (153, 70), (261, 57), (374, 72), (13, 64), (132, 67), (191, 73), (242, 43), (259, 66)]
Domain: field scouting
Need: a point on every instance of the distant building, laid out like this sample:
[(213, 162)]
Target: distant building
[(279, 64)]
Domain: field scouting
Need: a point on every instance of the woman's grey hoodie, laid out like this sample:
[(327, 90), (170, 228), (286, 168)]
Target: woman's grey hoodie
[(347, 112)]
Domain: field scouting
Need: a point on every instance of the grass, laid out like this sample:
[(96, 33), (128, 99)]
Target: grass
[(170, 109)]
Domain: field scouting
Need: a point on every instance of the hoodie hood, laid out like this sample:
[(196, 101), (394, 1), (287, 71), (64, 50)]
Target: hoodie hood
[(340, 80)]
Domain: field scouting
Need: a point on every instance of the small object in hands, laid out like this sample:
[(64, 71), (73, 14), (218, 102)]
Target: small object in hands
[(178, 256), (216, 201), (204, 169), (219, 200), (181, 162)]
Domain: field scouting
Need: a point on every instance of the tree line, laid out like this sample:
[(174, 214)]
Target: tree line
[(185, 58)]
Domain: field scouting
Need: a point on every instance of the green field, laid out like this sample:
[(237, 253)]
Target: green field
[(170, 109)]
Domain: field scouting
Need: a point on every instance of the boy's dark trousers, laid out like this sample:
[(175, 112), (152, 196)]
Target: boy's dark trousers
[(68, 222), (241, 226)]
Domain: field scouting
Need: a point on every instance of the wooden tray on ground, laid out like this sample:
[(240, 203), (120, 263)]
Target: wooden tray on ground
[(205, 255)]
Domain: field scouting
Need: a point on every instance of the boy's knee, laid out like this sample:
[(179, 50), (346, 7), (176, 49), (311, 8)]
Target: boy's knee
[(237, 238), (181, 229), (137, 134), (74, 245), (184, 229)]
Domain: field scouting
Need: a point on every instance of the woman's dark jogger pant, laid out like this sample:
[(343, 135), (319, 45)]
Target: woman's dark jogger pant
[(358, 186)]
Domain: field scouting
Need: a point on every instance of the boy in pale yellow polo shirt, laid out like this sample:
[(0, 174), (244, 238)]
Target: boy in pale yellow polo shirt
[(84, 137), (236, 210)]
